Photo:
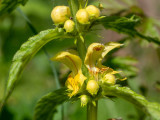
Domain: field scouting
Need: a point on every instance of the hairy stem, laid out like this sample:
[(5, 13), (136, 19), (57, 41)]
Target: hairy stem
[(92, 111)]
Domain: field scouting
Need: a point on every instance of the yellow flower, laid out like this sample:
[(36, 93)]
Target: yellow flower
[(69, 26), (60, 14), (82, 16), (93, 59), (93, 11), (76, 78), (95, 53)]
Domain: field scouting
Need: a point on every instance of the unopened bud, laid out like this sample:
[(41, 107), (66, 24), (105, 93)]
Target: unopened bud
[(84, 100), (69, 26), (92, 87), (109, 78), (93, 11), (82, 16), (60, 14)]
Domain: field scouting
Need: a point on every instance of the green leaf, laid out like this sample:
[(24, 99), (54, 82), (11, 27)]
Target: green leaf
[(125, 64), (26, 52), (152, 109), (46, 106), (9, 5), (127, 26), (150, 28)]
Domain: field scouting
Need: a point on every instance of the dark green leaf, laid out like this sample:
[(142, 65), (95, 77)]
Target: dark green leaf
[(46, 106), (127, 26), (26, 52), (152, 109), (9, 5)]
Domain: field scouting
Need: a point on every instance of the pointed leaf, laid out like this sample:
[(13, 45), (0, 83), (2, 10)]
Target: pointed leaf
[(152, 109), (46, 106), (9, 5), (26, 52), (126, 26)]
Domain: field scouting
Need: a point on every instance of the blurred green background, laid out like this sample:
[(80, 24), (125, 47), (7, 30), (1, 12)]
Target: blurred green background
[(38, 79)]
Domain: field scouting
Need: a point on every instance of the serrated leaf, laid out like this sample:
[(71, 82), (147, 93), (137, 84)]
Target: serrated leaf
[(46, 106), (152, 109), (126, 26), (121, 24), (9, 5), (26, 52)]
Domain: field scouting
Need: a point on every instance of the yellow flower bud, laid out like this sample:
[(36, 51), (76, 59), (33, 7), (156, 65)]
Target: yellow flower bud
[(93, 12), (92, 87), (69, 26), (82, 16), (109, 78), (60, 14), (84, 100)]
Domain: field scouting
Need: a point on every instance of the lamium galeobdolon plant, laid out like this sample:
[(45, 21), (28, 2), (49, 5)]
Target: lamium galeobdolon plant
[(89, 80)]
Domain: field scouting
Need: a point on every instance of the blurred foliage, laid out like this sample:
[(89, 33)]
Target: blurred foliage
[(38, 80), (10, 5)]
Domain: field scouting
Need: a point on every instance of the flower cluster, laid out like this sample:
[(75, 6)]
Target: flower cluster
[(98, 74), (61, 15)]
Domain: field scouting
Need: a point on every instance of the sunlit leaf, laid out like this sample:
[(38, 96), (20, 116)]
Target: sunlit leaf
[(26, 52), (9, 5), (152, 109)]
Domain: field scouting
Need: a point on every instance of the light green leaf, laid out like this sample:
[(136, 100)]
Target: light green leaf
[(46, 106), (125, 64), (9, 5), (26, 52), (152, 109), (126, 26)]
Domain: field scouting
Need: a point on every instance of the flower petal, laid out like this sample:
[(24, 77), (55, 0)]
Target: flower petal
[(94, 53), (110, 46), (70, 59), (74, 84)]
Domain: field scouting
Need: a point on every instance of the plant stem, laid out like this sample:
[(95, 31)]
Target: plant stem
[(92, 111), (81, 47)]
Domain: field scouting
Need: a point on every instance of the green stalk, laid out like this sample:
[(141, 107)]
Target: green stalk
[(74, 6), (92, 111)]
